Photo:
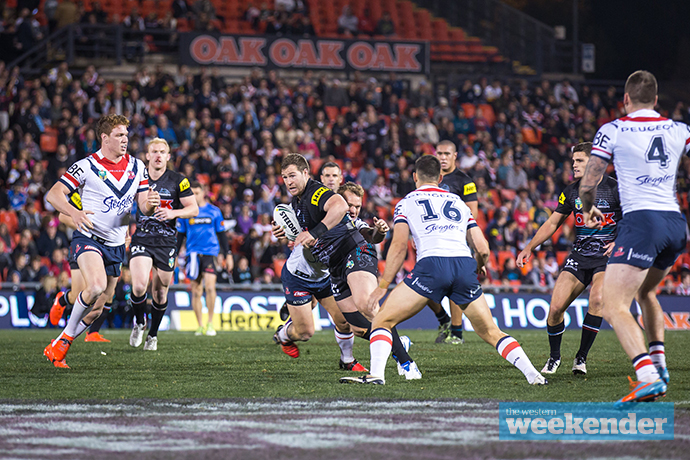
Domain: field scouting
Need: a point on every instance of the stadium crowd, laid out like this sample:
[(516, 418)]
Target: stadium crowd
[(513, 139)]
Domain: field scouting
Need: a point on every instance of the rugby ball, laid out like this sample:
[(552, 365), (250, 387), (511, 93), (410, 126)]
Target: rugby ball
[(284, 216)]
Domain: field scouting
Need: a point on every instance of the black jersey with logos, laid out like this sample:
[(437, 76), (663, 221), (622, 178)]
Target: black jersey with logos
[(171, 186), (590, 242), (333, 246), (461, 184)]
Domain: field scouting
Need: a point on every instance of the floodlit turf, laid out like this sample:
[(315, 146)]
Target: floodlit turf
[(250, 365)]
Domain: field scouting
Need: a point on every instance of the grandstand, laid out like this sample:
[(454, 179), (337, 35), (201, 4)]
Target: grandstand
[(229, 132)]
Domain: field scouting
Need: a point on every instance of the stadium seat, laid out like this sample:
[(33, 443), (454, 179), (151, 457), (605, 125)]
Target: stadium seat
[(502, 257), (561, 256), (49, 140), (9, 218), (332, 112), (278, 266), (469, 109)]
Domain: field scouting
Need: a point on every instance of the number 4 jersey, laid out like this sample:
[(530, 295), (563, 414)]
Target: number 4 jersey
[(646, 149), (438, 221)]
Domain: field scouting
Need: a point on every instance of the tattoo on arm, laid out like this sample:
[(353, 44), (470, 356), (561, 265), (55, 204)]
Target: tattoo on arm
[(588, 185)]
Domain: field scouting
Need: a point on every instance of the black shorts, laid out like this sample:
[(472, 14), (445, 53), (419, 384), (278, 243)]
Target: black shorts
[(359, 259), (163, 257), (198, 264), (584, 268)]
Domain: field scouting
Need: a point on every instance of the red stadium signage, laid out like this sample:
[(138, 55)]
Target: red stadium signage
[(304, 53)]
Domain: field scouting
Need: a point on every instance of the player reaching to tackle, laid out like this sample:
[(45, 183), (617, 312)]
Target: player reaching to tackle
[(441, 225), (154, 244), (109, 181), (584, 266), (646, 149)]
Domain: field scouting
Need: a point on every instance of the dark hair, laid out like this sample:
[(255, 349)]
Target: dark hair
[(109, 122), (641, 87), (448, 143), (196, 184), (329, 164), (584, 147), (428, 167), (295, 159)]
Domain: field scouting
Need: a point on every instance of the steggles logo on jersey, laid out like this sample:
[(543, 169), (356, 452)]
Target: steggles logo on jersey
[(654, 181), (120, 206)]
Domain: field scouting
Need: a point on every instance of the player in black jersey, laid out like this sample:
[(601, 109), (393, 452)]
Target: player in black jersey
[(455, 181), (154, 244), (332, 236), (586, 263)]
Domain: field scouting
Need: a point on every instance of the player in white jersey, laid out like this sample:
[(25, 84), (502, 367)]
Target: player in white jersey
[(646, 149), (441, 225), (108, 181)]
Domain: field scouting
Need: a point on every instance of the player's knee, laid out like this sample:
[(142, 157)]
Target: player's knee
[(302, 334)]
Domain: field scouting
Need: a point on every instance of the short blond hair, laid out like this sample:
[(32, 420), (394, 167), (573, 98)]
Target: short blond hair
[(351, 187), (158, 140)]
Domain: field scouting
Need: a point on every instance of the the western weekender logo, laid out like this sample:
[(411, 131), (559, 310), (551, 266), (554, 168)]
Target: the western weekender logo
[(585, 421), (287, 52)]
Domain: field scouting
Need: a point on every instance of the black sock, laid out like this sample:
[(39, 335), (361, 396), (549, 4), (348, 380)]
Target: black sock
[(442, 317), (357, 319), (63, 300), (96, 325), (139, 308), (157, 314), (456, 330), (398, 349), (590, 329), (555, 337)]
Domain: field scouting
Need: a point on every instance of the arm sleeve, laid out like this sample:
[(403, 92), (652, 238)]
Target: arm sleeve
[(184, 187), (223, 243), (469, 192), (564, 206), (320, 196), (75, 176), (604, 141), (180, 240), (143, 177), (399, 214)]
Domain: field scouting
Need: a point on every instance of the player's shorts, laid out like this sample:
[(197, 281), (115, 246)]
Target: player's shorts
[(584, 268), (113, 256), (198, 264), (438, 277), (299, 291), (650, 239), (358, 260), (163, 257)]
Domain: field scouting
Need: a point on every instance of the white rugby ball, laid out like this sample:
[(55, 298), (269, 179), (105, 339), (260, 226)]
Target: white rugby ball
[(284, 216)]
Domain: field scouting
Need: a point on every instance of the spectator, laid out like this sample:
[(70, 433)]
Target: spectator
[(564, 92), (380, 193), (44, 297), (348, 22), (367, 175), (242, 274), (442, 111), (51, 238), (425, 131), (385, 26), (684, 287), (510, 271), (181, 9)]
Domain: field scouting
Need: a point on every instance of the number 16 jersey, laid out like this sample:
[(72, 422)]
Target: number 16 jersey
[(438, 222)]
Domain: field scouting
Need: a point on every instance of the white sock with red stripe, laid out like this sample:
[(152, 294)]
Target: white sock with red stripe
[(380, 345), (283, 333), (345, 342), (512, 352), (657, 353), (79, 310), (644, 368)]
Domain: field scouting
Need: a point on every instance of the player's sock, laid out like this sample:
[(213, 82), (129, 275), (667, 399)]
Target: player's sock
[(398, 348), (644, 368), (81, 328), (456, 330), (512, 352), (79, 310), (157, 314), (657, 353), (283, 332), (345, 342), (590, 329), (139, 308), (357, 319), (555, 337), (96, 325), (380, 347), (64, 301), (442, 317)]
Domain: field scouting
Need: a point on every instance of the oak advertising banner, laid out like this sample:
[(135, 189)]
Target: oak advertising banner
[(288, 52)]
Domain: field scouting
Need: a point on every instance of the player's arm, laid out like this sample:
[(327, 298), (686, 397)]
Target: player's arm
[(221, 235), (545, 232), (376, 234), (181, 233), (474, 207), (67, 220), (479, 246), (189, 209), (336, 207), (397, 252), (57, 197), (596, 167)]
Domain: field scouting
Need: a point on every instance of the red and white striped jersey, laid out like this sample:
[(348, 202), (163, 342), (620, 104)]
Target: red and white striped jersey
[(438, 222), (108, 189), (646, 149)]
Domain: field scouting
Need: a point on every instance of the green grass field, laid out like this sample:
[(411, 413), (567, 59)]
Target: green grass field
[(250, 365)]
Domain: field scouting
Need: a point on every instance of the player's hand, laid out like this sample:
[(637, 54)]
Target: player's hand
[(524, 257), (154, 199), (374, 298), (220, 261), (380, 225), (163, 214), (277, 230), (81, 219), (481, 273), (609, 248), (305, 239), (594, 218)]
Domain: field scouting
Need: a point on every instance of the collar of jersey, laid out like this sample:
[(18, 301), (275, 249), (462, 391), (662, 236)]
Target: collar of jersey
[(431, 188), (644, 113)]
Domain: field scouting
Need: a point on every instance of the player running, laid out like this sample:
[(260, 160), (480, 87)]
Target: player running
[(207, 244), (154, 244), (646, 149), (109, 181), (584, 266), (441, 225)]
